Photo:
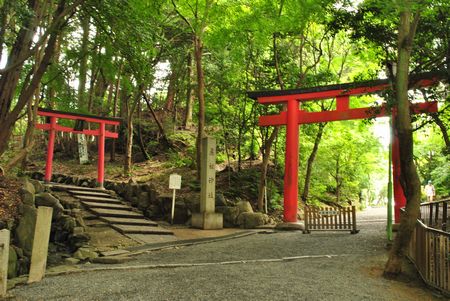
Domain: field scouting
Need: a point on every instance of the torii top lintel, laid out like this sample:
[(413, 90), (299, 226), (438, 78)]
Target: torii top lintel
[(77, 116), (342, 93), (340, 90)]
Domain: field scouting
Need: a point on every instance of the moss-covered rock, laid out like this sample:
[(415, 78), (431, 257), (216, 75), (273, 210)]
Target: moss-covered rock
[(12, 263), (25, 230)]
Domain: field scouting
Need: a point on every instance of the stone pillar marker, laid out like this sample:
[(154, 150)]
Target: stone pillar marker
[(207, 219), (4, 257), (40, 244), (82, 149)]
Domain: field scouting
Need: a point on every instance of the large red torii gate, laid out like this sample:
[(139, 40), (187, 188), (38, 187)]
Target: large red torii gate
[(52, 126), (293, 116)]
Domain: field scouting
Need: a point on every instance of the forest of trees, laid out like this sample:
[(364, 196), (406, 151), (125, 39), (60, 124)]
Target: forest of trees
[(102, 57)]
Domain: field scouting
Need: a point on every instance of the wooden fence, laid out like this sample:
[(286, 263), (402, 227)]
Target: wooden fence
[(330, 219), (429, 248)]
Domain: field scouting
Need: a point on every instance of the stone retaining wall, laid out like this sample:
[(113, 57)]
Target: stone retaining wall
[(67, 231), (155, 206)]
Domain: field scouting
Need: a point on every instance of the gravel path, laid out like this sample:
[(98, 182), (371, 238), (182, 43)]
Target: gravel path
[(279, 266)]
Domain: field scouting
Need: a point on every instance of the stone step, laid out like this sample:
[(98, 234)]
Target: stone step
[(89, 193), (97, 199), (129, 221), (115, 213), (130, 229), (73, 187), (106, 205)]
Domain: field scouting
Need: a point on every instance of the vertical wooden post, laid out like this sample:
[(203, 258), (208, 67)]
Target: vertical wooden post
[(40, 244), (101, 155), (4, 257), (291, 163), (354, 230), (444, 217), (50, 149), (306, 220)]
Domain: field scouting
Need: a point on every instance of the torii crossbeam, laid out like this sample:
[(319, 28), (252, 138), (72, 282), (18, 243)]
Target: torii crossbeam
[(293, 116)]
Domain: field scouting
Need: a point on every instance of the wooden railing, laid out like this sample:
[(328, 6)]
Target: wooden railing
[(330, 219), (435, 214), (429, 248)]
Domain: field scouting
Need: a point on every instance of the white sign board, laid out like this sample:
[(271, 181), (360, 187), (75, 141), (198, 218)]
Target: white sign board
[(175, 181)]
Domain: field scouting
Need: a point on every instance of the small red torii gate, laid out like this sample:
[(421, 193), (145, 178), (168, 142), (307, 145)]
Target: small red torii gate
[(292, 117), (52, 126)]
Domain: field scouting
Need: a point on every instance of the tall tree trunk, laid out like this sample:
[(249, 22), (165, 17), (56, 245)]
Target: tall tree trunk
[(4, 12), (128, 148), (171, 88), (409, 178), (139, 133), (264, 166), (28, 140), (51, 91), (116, 96), (84, 53), (310, 162), (130, 109), (269, 142), (190, 95), (201, 100)]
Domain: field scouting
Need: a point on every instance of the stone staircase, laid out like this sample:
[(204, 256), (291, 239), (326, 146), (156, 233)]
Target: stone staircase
[(118, 214)]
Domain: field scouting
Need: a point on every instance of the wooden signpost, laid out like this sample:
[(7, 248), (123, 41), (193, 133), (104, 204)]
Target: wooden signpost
[(174, 183)]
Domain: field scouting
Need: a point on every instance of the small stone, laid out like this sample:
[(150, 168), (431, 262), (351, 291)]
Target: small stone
[(26, 196), (71, 261), (251, 220), (46, 199), (220, 200), (12, 263), (78, 230), (67, 223), (85, 253), (230, 215), (25, 230), (143, 200), (28, 186), (79, 240), (112, 259), (38, 186), (299, 226), (244, 206)]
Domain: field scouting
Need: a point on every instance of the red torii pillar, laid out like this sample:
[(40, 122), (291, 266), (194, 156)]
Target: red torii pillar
[(294, 116), (52, 126)]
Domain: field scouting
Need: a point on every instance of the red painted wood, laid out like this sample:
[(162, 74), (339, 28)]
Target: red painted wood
[(101, 155), (74, 117), (61, 128), (50, 149), (336, 93), (350, 114), (291, 163), (342, 103)]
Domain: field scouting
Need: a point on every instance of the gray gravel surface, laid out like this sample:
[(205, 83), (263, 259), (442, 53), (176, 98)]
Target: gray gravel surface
[(351, 272)]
